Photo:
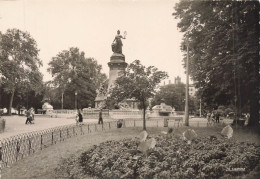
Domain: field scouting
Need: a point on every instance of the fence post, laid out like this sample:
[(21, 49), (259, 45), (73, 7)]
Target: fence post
[(88, 128), (60, 135), (17, 150), (81, 130), (41, 141), (52, 138), (29, 145), (67, 132), (109, 125)]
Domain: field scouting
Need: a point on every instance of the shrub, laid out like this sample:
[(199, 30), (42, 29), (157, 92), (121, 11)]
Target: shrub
[(171, 158)]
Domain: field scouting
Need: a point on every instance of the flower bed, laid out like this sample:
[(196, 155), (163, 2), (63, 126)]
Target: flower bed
[(205, 157)]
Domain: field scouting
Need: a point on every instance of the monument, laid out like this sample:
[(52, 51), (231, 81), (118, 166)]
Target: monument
[(116, 65), (117, 62)]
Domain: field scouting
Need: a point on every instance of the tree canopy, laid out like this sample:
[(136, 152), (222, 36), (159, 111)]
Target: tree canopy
[(223, 37), (173, 95), (74, 73), (19, 67), (137, 82)]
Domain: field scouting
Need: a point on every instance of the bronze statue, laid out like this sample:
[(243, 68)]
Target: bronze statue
[(117, 43)]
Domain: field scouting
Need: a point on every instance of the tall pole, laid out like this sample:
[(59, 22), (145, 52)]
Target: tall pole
[(27, 106), (200, 107), (27, 100), (76, 100), (62, 93), (187, 89)]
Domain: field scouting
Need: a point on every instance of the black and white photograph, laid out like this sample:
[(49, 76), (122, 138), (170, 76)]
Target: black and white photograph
[(129, 89)]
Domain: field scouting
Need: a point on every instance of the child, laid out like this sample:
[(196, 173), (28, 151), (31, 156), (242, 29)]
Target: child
[(77, 118)]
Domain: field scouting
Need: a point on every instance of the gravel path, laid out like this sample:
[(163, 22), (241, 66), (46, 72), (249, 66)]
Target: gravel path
[(16, 124)]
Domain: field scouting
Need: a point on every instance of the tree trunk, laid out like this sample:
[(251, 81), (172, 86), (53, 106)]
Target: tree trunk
[(254, 91), (144, 120), (11, 103), (62, 100), (254, 110)]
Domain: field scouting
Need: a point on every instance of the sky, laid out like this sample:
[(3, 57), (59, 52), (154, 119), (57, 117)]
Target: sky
[(91, 25)]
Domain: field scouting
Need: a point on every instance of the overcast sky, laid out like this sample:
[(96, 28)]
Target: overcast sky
[(152, 34)]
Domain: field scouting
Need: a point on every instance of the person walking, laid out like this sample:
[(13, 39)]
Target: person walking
[(76, 117), (80, 116), (100, 119), (208, 117), (217, 117), (212, 116), (28, 117), (32, 115)]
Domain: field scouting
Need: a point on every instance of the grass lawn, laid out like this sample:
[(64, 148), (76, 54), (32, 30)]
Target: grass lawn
[(42, 164)]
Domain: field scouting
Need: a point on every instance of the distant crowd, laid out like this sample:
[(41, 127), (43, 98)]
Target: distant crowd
[(215, 117)]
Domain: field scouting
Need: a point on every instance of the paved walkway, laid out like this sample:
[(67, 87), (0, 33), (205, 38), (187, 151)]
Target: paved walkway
[(16, 124)]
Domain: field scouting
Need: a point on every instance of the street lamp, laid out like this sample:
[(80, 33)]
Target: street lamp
[(76, 100), (27, 96), (62, 94), (187, 88), (200, 107)]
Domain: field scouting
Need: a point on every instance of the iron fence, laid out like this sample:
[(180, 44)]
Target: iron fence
[(16, 148), (163, 122)]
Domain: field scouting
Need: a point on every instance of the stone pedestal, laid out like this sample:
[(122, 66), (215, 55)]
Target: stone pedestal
[(117, 66)]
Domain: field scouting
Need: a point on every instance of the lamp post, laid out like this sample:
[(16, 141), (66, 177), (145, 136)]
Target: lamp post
[(62, 94), (200, 107), (76, 100), (27, 96), (187, 88)]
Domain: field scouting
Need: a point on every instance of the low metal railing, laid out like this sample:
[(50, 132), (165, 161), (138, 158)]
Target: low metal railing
[(18, 147)]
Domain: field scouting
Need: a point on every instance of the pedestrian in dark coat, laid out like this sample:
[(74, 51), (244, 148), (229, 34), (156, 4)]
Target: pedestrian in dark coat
[(80, 116), (28, 117), (217, 117), (100, 119)]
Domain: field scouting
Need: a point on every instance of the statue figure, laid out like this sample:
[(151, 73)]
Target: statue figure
[(117, 43)]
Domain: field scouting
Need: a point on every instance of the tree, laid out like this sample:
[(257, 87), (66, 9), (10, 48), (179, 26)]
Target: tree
[(173, 94), (224, 41), (137, 82), (73, 72), (19, 67)]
